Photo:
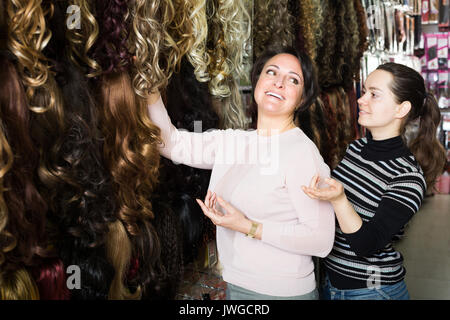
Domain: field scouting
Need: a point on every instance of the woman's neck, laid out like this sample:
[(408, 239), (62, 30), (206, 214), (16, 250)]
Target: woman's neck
[(383, 134), (268, 127)]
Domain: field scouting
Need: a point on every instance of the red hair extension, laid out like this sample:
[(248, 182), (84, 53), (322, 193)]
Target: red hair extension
[(50, 278)]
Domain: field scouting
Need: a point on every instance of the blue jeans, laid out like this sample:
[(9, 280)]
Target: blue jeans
[(238, 293), (396, 291)]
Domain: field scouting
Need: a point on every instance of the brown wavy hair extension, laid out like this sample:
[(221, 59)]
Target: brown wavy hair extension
[(132, 157), (82, 40), (336, 104), (310, 25), (325, 57), (25, 204), (363, 33), (353, 50), (408, 85), (331, 126), (131, 139), (273, 24)]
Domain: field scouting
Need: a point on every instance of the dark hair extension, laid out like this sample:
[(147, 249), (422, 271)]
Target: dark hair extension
[(339, 103), (325, 59), (86, 205), (352, 51), (111, 47), (81, 40), (353, 117), (342, 68), (25, 204), (27, 207), (408, 85), (331, 126), (311, 88), (187, 101), (3, 26), (170, 232), (363, 33)]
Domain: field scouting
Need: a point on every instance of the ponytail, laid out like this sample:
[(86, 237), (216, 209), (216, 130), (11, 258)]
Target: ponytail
[(426, 148), (408, 85)]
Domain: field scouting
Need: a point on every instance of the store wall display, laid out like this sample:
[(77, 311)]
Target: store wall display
[(110, 203)]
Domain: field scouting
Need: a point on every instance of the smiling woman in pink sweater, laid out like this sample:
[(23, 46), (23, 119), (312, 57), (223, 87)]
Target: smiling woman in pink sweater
[(267, 228)]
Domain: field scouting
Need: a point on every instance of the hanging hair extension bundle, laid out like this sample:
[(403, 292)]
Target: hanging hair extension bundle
[(18, 285), (147, 39), (273, 25), (226, 50), (8, 241), (181, 28), (310, 16), (352, 33), (198, 55), (187, 101), (325, 58), (27, 37), (363, 32), (87, 204), (83, 39), (131, 142)]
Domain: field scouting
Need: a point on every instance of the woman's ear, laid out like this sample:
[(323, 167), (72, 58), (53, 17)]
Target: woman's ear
[(403, 109)]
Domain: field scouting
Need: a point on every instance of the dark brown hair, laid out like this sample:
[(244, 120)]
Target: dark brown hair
[(408, 85), (311, 88)]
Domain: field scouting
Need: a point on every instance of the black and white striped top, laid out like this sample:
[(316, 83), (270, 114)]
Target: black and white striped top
[(385, 185)]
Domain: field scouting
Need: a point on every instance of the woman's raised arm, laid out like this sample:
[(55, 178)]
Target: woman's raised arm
[(194, 149)]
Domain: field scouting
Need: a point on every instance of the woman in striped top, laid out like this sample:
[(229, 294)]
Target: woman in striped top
[(379, 185)]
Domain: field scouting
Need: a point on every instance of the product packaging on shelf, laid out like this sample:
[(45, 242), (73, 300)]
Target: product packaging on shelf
[(434, 11), (442, 51), (425, 11), (431, 51)]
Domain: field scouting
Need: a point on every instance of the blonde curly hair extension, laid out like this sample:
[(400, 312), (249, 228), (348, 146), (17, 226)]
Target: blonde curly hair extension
[(229, 32), (27, 37), (181, 29), (119, 252), (82, 40), (147, 39), (198, 55)]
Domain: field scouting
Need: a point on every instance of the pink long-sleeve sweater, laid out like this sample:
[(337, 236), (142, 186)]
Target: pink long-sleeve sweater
[(262, 177)]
